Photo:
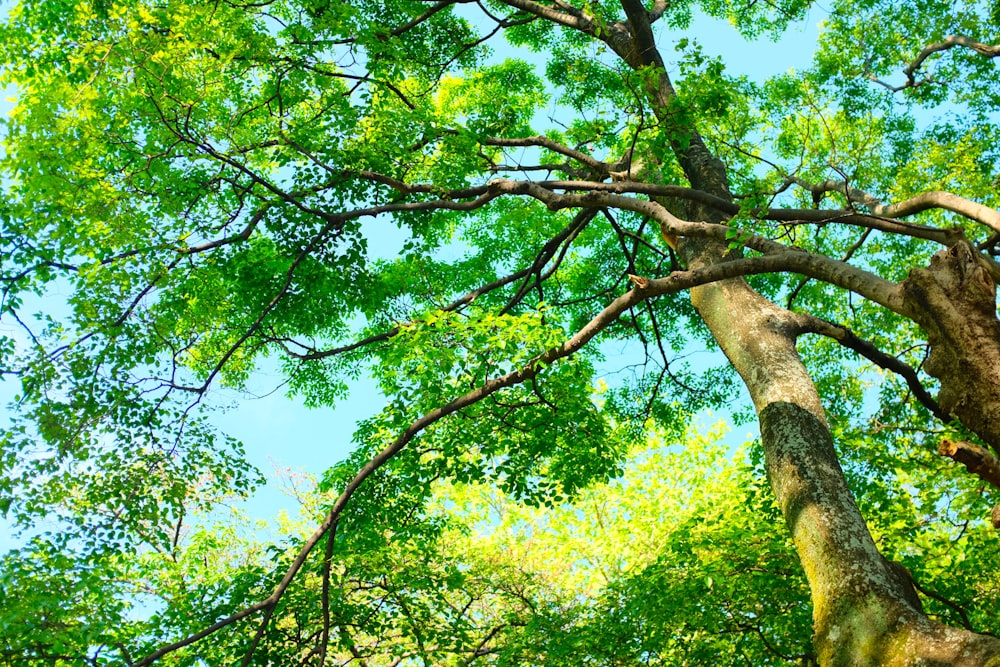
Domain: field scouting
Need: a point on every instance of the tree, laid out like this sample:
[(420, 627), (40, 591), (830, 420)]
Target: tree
[(196, 176)]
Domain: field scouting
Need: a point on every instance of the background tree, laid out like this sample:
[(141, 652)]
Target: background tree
[(196, 177)]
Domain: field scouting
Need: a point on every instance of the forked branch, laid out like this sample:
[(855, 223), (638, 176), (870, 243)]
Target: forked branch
[(949, 42), (935, 199)]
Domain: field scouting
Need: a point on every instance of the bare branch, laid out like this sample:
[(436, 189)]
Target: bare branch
[(426, 15), (831, 185), (848, 339), (243, 235), (843, 258), (943, 200), (949, 42), (659, 9), (191, 639), (567, 17), (600, 168)]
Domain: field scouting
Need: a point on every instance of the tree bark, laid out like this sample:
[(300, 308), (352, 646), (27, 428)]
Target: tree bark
[(977, 460)]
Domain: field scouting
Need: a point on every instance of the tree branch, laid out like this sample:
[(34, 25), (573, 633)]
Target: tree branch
[(857, 280), (443, 4), (963, 616), (576, 20), (659, 9), (547, 252), (545, 255), (977, 460), (601, 169), (884, 223), (847, 338), (935, 199), (642, 33), (947, 43)]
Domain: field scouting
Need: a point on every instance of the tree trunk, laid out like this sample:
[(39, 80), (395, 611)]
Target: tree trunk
[(865, 609)]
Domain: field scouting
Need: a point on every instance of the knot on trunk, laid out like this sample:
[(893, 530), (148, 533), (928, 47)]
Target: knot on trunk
[(954, 301), (957, 275)]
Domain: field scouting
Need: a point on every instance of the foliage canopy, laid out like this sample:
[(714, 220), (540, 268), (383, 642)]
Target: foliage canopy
[(198, 179)]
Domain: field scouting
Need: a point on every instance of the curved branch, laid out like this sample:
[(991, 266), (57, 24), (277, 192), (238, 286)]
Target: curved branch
[(943, 200), (832, 185), (243, 235), (847, 338), (844, 258), (605, 194), (527, 372), (614, 34), (600, 168), (947, 43), (963, 616), (939, 199)]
